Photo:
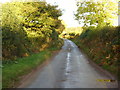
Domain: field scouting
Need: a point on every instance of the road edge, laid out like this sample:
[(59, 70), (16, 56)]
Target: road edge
[(25, 78), (97, 67)]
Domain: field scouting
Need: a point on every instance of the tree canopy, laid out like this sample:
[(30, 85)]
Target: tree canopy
[(99, 12), (29, 27)]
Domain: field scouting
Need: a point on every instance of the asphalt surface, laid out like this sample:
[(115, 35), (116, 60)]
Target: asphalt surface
[(69, 69)]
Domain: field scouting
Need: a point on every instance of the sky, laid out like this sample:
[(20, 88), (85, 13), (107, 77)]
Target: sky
[(68, 7)]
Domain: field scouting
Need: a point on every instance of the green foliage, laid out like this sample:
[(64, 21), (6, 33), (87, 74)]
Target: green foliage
[(22, 66), (99, 13), (29, 27), (71, 32), (102, 45)]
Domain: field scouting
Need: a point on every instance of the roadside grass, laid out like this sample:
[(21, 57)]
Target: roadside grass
[(12, 71)]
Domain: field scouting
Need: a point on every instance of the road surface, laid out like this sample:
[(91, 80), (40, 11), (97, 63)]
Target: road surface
[(69, 69)]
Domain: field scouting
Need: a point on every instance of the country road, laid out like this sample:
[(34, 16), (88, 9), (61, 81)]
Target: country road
[(69, 69)]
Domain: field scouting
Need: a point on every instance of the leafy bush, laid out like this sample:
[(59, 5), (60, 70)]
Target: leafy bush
[(102, 45)]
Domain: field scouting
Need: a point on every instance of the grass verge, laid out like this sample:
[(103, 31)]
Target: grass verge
[(12, 71)]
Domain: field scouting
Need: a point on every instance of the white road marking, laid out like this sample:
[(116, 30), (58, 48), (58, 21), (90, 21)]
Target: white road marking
[(68, 64), (67, 69)]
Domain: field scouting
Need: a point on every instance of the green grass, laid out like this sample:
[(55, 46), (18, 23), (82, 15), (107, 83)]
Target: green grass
[(12, 71)]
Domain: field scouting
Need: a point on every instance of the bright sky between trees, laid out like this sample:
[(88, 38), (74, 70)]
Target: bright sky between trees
[(3, 1), (68, 7)]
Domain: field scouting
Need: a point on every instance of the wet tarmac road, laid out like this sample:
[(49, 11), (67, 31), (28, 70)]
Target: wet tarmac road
[(69, 69)]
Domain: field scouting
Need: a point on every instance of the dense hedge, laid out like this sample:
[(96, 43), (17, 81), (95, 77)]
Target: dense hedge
[(102, 45)]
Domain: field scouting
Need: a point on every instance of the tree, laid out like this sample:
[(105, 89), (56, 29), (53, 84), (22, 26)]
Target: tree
[(28, 26), (43, 22), (99, 13)]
